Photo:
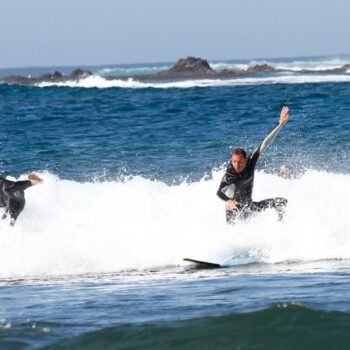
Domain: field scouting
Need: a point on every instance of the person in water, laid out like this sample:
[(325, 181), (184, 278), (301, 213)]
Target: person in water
[(12, 195), (236, 186)]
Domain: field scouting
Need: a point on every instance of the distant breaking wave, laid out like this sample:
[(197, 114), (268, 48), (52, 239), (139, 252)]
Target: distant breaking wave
[(294, 65), (127, 71), (96, 81)]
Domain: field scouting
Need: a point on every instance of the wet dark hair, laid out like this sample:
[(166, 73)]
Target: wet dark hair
[(239, 152)]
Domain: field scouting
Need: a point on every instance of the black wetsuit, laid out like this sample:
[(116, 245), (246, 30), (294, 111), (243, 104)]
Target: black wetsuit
[(12, 197), (239, 186)]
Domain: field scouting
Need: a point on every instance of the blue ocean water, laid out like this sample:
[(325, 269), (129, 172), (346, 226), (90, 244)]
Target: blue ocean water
[(130, 175)]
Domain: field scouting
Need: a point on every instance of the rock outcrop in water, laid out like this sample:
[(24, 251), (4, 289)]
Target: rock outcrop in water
[(189, 67), (55, 77), (191, 64), (197, 68), (185, 68)]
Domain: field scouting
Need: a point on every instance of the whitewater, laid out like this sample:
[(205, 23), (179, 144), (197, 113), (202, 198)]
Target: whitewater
[(96, 81), (71, 228)]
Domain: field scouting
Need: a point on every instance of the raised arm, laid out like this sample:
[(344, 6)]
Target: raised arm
[(14, 186), (272, 135)]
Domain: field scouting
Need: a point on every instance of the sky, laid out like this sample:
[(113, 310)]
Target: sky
[(98, 32)]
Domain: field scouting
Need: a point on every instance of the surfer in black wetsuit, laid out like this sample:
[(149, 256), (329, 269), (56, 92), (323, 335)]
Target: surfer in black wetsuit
[(236, 186), (12, 195)]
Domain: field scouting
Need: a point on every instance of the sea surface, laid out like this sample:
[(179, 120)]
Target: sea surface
[(131, 170)]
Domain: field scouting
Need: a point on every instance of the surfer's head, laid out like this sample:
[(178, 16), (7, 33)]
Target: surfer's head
[(239, 160)]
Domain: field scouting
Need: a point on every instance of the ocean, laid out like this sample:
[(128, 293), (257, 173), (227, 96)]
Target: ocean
[(131, 170)]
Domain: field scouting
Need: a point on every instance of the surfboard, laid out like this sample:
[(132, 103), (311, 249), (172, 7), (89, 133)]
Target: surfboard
[(203, 264)]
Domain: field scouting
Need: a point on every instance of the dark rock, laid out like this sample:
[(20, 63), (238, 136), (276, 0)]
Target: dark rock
[(79, 74), (191, 65), (185, 68), (46, 77), (16, 79), (261, 68), (56, 77)]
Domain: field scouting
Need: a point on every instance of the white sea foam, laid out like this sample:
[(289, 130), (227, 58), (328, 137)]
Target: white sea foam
[(297, 65), (314, 65), (69, 227), (220, 66), (100, 82), (127, 71)]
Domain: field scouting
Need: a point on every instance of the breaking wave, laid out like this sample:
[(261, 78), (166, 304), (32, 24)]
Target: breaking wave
[(70, 227)]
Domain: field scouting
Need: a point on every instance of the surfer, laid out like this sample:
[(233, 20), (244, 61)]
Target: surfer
[(12, 195), (236, 186)]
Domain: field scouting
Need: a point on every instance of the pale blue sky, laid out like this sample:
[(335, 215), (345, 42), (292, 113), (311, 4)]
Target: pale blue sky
[(91, 32)]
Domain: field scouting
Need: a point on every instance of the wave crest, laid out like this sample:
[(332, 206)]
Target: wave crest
[(102, 83), (69, 227)]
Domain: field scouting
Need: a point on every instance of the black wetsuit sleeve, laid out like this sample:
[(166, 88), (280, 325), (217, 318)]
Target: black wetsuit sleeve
[(264, 144), (11, 186)]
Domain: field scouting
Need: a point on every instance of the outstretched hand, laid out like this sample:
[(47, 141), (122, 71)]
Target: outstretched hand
[(284, 115), (34, 179)]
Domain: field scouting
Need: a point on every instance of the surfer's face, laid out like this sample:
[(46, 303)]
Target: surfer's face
[(238, 162)]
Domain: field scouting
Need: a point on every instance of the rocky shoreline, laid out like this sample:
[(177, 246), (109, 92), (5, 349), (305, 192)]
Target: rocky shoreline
[(185, 68), (55, 77)]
